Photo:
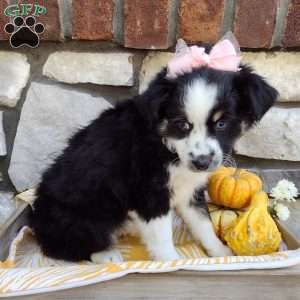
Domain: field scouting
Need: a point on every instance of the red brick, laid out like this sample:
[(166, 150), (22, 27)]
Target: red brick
[(93, 19), (292, 26), (3, 20), (50, 20), (146, 24), (255, 22), (201, 20)]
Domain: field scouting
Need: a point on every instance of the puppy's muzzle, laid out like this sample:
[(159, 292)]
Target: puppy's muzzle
[(202, 162)]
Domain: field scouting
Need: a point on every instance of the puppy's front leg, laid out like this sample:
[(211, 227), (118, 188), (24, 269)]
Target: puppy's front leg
[(196, 216), (157, 235)]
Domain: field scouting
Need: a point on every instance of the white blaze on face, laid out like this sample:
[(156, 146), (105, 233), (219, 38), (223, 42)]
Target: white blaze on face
[(199, 100)]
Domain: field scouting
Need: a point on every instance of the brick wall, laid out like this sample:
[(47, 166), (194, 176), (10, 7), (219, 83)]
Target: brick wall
[(155, 24)]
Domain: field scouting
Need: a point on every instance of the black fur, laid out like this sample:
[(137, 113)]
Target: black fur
[(119, 163), (256, 96)]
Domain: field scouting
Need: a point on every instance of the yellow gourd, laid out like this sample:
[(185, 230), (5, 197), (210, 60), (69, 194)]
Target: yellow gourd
[(222, 219), (233, 187), (255, 232)]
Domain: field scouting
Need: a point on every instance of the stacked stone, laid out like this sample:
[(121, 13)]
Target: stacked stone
[(53, 111)]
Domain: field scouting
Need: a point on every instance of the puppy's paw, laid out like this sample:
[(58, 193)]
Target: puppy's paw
[(102, 257), (219, 251), (166, 255)]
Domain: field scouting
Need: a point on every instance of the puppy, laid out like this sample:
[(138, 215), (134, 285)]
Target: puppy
[(143, 158)]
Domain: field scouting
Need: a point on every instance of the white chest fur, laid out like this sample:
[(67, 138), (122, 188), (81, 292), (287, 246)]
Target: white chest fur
[(183, 183)]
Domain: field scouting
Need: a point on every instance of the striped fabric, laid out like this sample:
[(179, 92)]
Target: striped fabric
[(28, 271)]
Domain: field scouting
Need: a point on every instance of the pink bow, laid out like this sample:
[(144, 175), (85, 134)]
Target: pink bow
[(223, 56)]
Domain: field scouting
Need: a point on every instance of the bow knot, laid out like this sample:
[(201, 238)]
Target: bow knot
[(224, 56)]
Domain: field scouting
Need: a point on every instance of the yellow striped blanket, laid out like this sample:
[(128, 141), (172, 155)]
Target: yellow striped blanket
[(28, 271)]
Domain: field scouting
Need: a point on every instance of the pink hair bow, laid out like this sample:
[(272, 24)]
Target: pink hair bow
[(225, 55)]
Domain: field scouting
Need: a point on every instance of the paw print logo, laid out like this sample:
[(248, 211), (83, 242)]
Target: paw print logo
[(24, 32)]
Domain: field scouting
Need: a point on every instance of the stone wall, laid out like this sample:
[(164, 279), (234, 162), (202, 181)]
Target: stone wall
[(96, 53)]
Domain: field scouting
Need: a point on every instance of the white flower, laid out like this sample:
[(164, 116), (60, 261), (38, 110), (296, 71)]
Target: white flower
[(282, 211), (284, 191)]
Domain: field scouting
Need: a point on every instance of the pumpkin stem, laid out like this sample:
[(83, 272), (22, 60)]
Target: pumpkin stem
[(237, 173)]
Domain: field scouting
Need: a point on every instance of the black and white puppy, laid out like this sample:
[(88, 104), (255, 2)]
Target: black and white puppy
[(143, 158)]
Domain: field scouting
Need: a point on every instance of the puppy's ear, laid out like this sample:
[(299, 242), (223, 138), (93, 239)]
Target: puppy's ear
[(256, 96), (153, 101)]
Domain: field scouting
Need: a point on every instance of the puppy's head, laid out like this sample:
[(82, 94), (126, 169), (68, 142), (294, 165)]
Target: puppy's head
[(200, 115)]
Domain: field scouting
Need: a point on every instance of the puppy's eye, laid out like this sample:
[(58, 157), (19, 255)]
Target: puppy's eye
[(183, 125), (221, 125)]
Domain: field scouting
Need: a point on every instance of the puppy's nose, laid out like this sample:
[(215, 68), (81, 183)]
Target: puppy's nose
[(202, 162)]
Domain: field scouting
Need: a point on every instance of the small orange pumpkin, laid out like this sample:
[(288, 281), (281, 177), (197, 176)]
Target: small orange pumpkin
[(233, 187)]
